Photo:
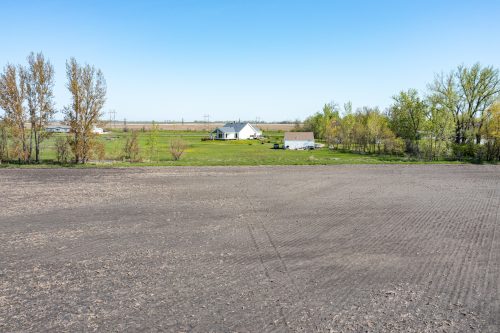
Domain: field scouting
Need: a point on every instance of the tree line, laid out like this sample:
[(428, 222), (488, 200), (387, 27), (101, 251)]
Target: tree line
[(458, 118), (27, 101)]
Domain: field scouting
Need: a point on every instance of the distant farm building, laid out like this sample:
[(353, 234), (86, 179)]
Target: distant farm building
[(67, 129), (299, 140), (97, 130), (236, 131), (57, 129)]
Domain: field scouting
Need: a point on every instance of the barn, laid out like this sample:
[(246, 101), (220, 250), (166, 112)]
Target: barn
[(299, 140), (236, 131)]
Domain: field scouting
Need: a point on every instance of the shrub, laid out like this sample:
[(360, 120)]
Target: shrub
[(131, 147), (471, 151), (393, 146), (99, 150), (177, 147), (492, 148), (63, 149)]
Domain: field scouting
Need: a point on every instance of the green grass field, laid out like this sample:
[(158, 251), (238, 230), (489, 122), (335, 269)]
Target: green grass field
[(211, 153)]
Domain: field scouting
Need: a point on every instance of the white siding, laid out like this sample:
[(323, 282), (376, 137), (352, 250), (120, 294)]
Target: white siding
[(230, 136), (247, 132), (298, 144), (222, 135)]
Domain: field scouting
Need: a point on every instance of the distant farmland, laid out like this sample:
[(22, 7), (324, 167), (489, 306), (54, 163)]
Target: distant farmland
[(190, 126)]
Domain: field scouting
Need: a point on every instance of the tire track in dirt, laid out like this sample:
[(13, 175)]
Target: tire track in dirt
[(376, 242), (463, 260), (429, 240), (452, 250), (468, 267), (379, 241), (449, 250), (412, 223), (266, 271), (259, 249), (442, 230), (298, 299), (491, 278), (347, 268), (423, 219), (265, 258)]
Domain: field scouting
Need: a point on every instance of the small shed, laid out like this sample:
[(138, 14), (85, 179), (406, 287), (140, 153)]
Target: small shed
[(299, 140)]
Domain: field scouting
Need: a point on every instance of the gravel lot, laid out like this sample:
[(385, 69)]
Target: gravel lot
[(386, 248)]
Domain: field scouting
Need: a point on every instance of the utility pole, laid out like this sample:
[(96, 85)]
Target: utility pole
[(112, 117), (206, 119)]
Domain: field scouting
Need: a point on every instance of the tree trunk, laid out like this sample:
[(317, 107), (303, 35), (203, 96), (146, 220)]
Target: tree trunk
[(25, 147), (32, 132), (76, 143), (458, 132), (37, 148), (35, 134)]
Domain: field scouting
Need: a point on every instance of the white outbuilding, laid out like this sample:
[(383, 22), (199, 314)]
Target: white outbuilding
[(236, 131), (57, 129), (299, 140), (97, 130)]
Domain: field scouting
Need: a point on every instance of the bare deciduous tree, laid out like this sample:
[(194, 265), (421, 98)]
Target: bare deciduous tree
[(4, 141), (12, 100), (39, 82), (88, 92), (177, 148)]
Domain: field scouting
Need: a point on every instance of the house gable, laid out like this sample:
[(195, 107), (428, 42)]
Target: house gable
[(236, 131)]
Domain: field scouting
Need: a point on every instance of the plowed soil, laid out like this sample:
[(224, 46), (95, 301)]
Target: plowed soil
[(386, 248)]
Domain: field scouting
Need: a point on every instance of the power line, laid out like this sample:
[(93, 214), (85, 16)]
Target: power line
[(206, 119), (112, 117)]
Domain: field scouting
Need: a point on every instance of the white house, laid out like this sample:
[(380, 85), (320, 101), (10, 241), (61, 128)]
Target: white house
[(299, 140), (236, 131)]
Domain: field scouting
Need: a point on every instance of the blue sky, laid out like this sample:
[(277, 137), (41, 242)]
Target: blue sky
[(276, 60)]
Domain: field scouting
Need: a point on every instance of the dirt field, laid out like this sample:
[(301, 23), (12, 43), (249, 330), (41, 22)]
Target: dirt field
[(193, 126), (201, 126), (330, 249)]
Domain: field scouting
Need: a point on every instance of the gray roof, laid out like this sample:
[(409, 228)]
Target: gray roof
[(234, 127), (227, 129)]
